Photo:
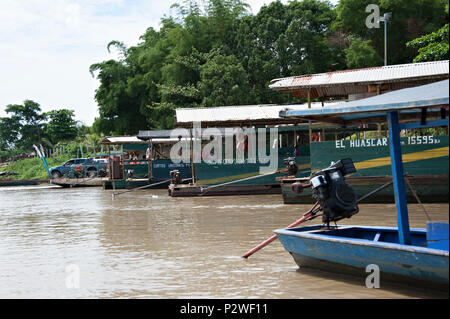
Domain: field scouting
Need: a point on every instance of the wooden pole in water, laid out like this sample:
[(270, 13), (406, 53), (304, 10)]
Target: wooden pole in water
[(305, 217), (192, 153), (150, 173)]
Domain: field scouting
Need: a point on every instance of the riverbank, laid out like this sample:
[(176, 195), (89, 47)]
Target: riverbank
[(30, 168)]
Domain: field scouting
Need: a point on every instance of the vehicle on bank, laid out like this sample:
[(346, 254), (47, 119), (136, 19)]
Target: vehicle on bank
[(80, 167)]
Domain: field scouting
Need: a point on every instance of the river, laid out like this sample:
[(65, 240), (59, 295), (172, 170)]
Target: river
[(82, 243)]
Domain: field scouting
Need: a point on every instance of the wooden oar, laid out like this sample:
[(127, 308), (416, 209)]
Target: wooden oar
[(305, 217)]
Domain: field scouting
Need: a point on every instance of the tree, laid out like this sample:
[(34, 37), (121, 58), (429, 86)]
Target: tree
[(9, 132), (410, 20), (433, 46), (223, 81), (360, 54), (61, 125), (28, 120)]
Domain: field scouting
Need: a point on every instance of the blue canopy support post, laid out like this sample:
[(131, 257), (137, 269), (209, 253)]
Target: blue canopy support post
[(398, 178)]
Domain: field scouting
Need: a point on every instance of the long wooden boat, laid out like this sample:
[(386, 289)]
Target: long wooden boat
[(143, 161), (243, 177), (425, 160), (428, 188), (416, 255), (351, 249), (425, 164), (19, 182)]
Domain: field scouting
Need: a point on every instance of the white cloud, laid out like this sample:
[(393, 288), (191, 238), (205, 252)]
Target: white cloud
[(47, 46)]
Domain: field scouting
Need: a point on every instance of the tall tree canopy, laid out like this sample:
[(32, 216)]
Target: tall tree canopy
[(61, 125), (28, 125), (218, 53), (433, 46), (410, 20)]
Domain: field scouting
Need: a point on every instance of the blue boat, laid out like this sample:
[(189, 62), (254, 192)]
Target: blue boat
[(350, 249), (419, 256)]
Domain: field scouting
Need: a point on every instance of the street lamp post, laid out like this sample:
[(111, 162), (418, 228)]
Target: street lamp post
[(385, 18)]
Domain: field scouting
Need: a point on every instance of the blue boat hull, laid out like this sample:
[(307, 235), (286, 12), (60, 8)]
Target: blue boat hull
[(350, 249)]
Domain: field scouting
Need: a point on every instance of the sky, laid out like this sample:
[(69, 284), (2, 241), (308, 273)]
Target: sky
[(47, 46)]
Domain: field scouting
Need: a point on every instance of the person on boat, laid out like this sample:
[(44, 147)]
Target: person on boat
[(296, 151), (315, 137)]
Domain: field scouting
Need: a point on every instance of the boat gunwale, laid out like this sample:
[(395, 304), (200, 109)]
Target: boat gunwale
[(309, 234)]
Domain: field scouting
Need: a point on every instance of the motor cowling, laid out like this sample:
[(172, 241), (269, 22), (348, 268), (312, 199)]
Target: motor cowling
[(291, 166), (336, 197), (176, 177), (130, 173)]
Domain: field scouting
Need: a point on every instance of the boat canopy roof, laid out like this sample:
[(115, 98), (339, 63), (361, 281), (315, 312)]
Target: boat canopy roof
[(147, 134), (408, 102), (239, 116), (120, 140), (362, 81)]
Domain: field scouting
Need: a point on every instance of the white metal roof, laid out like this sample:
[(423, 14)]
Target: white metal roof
[(437, 70), (121, 140), (232, 115), (410, 100)]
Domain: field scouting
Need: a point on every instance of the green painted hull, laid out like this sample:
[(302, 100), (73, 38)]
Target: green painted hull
[(18, 182), (425, 159), (214, 174), (429, 189)]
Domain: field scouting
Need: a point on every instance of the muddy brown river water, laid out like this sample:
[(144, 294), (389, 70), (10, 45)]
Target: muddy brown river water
[(82, 243)]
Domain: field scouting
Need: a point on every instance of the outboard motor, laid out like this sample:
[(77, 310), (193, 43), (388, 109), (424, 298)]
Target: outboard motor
[(291, 166), (336, 198), (176, 177)]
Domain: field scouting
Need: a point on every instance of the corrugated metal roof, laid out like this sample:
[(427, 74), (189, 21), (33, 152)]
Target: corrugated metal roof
[(118, 140), (145, 134), (340, 83), (408, 101), (237, 115)]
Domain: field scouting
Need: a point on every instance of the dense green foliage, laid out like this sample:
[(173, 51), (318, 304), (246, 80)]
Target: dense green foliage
[(223, 55), (27, 125), (219, 56), (32, 168), (61, 125), (432, 46), (410, 20)]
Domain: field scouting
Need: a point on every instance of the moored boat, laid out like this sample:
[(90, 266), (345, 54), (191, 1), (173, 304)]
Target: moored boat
[(351, 249), (331, 86), (419, 256), (142, 160)]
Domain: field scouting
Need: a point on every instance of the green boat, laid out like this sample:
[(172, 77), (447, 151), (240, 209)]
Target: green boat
[(12, 182), (141, 162), (428, 176), (225, 177), (425, 160)]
